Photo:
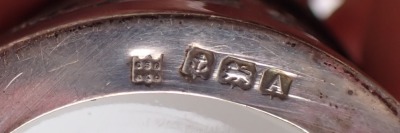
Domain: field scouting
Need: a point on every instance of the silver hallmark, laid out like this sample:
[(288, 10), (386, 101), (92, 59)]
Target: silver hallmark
[(147, 70), (275, 83), (234, 72), (237, 72), (198, 63)]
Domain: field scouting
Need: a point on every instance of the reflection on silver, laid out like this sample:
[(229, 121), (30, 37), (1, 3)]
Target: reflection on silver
[(158, 112)]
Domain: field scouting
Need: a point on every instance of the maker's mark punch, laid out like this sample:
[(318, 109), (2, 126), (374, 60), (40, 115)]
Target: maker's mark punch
[(147, 70)]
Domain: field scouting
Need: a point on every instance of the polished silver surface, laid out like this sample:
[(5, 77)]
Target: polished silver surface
[(89, 59)]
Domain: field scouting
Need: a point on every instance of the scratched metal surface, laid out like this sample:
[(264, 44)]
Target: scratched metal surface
[(94, 59)]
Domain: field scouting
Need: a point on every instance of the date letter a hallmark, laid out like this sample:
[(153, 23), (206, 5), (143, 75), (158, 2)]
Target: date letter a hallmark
[(275, 83)]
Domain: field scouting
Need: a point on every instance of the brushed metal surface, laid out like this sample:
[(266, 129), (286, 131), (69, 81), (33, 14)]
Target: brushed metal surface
[(95, 58)]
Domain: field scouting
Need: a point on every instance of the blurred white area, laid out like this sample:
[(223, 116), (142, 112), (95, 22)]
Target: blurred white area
[(323, 9), (158, 112)]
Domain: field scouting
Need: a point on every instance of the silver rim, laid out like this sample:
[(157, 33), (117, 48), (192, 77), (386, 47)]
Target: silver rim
[(251, 65)]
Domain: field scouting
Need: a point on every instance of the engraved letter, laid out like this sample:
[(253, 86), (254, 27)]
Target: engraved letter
[(275, 83)]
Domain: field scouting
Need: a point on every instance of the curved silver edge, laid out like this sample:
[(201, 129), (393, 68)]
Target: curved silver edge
[(320, 61), (160, 92)]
